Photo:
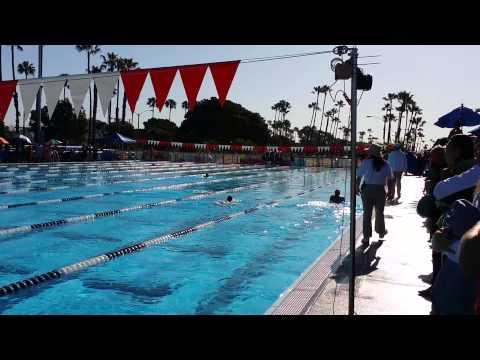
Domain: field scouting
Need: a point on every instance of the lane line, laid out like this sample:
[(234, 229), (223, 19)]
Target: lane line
[(134, 248), (109, 213)]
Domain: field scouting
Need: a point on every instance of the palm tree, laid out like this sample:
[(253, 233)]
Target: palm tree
[(95, 69), (313, 106), (404, 98), (126, 65), (320, 90), (185, 106), (389, 99), (286, 127), (283, 110), (170, 104), (385, 120), (111, 64), (415, 110), (152, 102), (331, 114), (90, 50), (275, 108), (340, 104), (335, 129), (15, 94), (26, 68), (346, 132), (419, 124), (65, 86)]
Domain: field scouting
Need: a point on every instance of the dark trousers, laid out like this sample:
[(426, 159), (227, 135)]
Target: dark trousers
[(373, 196), (398, 182)]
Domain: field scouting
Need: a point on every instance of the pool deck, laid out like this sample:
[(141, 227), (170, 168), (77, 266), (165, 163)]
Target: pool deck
[(388, 271)]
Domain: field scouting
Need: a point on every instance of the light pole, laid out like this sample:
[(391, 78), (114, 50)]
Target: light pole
[(138, 118)]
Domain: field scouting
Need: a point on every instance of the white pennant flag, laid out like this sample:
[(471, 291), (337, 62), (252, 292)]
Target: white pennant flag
[(105, 87), (28, 93), (78, 90), (52, 94)]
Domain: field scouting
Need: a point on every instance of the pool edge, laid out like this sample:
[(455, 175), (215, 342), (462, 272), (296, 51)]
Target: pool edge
[(299, 296)]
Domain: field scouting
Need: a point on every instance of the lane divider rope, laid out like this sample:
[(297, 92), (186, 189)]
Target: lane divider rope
[(108, 213), (98, 170), (154, 188), (131, 249), (109, 182), (88, 174)]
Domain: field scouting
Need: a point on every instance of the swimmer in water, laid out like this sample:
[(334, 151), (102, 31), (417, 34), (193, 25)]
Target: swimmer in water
[(336, 198), (206, 175), (229, 201)]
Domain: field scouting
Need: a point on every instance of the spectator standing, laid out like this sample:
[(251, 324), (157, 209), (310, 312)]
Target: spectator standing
[(376, 174), (398, 162)]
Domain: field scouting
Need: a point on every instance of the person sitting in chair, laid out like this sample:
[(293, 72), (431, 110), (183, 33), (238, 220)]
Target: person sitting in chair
[(336, 198)]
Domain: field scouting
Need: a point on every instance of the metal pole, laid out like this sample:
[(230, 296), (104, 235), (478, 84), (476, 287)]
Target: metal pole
[(38, 136), (353, 177)]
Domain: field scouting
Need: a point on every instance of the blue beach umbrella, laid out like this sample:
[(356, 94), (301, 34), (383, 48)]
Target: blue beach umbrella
[(461, 116)]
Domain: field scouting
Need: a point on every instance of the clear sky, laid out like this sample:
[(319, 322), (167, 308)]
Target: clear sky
[(440, 77)]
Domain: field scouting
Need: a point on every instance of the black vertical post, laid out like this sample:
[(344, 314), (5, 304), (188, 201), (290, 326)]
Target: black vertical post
[(353, 177), (38, 126)]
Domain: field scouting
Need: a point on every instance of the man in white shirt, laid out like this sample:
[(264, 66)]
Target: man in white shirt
[(398, 162)]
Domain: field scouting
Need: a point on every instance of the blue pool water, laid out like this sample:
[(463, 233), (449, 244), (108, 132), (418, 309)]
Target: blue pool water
[(239, 266)]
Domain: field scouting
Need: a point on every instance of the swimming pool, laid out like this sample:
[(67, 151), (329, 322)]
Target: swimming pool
[(137, 237)]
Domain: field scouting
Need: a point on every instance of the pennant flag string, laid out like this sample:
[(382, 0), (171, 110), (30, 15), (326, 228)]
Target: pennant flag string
[(162, 78), (7, 88)]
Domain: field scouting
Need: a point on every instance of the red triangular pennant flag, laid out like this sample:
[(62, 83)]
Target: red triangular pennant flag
[(162, 80), (133, 83), (7, 88), (192, 77), (223, 74)]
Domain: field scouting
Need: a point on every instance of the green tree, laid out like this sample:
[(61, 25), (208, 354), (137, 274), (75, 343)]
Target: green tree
[(26, 68), (210, 122), (123, 128), (64, 125), (160, 129)]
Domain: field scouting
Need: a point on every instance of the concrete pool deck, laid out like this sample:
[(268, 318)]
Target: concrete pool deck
[(388, 271)]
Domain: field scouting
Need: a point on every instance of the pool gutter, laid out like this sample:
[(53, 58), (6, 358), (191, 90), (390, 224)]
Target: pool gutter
[(300, 296)]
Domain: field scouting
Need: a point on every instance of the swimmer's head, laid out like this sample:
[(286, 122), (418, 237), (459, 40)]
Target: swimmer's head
[(206, 175), (337, 192), (229, 198)]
